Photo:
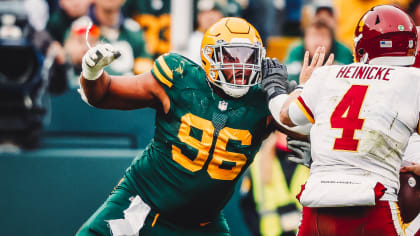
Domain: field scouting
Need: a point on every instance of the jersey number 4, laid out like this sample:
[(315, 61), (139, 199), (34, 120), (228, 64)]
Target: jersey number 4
[(221, 158), (346, 117)]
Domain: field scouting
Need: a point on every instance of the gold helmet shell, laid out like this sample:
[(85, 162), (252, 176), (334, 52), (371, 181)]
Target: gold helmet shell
[(237, 39)]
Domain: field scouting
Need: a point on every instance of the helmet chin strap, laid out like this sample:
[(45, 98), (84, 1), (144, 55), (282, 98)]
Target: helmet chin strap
[(364, 58), (234, 92), (224, 88)]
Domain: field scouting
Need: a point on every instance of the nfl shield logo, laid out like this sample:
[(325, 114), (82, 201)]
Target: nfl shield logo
[(223, 105)]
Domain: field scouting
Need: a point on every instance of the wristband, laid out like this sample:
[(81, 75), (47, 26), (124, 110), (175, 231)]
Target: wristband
[(275, 105), (91, 74)]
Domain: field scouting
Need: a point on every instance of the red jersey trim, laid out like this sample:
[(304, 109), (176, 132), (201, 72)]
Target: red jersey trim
[(305, 109)]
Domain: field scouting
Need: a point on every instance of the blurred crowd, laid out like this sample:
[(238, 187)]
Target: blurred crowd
[(141, 29)]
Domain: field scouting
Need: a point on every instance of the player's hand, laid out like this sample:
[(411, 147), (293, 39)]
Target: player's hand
[(96, 58), (301, 152), (274, 79), (414, 167), (317, 60)]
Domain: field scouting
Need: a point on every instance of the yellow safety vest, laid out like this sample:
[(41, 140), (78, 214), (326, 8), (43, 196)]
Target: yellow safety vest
[(269, 197)]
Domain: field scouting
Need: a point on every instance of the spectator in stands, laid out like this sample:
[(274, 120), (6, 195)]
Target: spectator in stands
[(61, 20), (293, 18), (268, 191), (209, 12), (262, 15), (155, 19), (319, 33), (114, 28), (324, 10), (75, 44)]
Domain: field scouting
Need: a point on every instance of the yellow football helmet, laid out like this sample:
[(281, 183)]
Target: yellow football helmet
[(231, 54)]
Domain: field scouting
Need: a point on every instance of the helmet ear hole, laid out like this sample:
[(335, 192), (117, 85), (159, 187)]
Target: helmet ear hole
[(361, 51)]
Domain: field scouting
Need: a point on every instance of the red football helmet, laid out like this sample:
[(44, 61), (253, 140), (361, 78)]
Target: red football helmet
[(385, 35)]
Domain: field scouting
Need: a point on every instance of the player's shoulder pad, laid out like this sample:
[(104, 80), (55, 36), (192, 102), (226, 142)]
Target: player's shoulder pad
[(170, 67)]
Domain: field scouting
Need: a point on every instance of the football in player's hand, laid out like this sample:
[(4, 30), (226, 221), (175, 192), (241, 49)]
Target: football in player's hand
[(409, 196)]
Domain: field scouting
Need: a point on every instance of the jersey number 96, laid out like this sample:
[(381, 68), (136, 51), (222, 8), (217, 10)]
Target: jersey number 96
[(220, 155)]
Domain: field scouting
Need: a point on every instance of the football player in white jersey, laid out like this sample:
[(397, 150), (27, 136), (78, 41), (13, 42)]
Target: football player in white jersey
[(363, 115)]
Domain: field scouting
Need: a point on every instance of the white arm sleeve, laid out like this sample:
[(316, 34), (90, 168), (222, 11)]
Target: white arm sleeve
[(296, 115), (275, 106), (301, 111)]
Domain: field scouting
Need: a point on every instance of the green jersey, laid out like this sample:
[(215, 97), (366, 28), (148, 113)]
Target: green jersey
[(201, 146)]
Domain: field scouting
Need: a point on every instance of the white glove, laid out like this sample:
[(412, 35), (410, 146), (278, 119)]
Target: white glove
[(96, 59)]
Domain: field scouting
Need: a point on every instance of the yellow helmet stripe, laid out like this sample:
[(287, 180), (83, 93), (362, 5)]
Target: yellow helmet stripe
[(362, 23), (165, 67), (160, 77)]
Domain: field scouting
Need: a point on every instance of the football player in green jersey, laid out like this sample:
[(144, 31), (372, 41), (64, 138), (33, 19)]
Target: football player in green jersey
[(210, 122)]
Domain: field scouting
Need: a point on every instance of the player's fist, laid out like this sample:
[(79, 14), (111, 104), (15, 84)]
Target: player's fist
[(96, 58), (274, 79)]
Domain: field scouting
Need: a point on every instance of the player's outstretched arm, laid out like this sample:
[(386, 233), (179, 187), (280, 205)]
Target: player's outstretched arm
[(276, 86), (117, 92)]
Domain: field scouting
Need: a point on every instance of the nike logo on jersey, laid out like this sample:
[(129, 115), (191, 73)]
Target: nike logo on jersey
[(364, 72)]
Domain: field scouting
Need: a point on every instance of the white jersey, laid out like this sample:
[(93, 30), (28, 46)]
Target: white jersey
[(412, 153), (363, 117)]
